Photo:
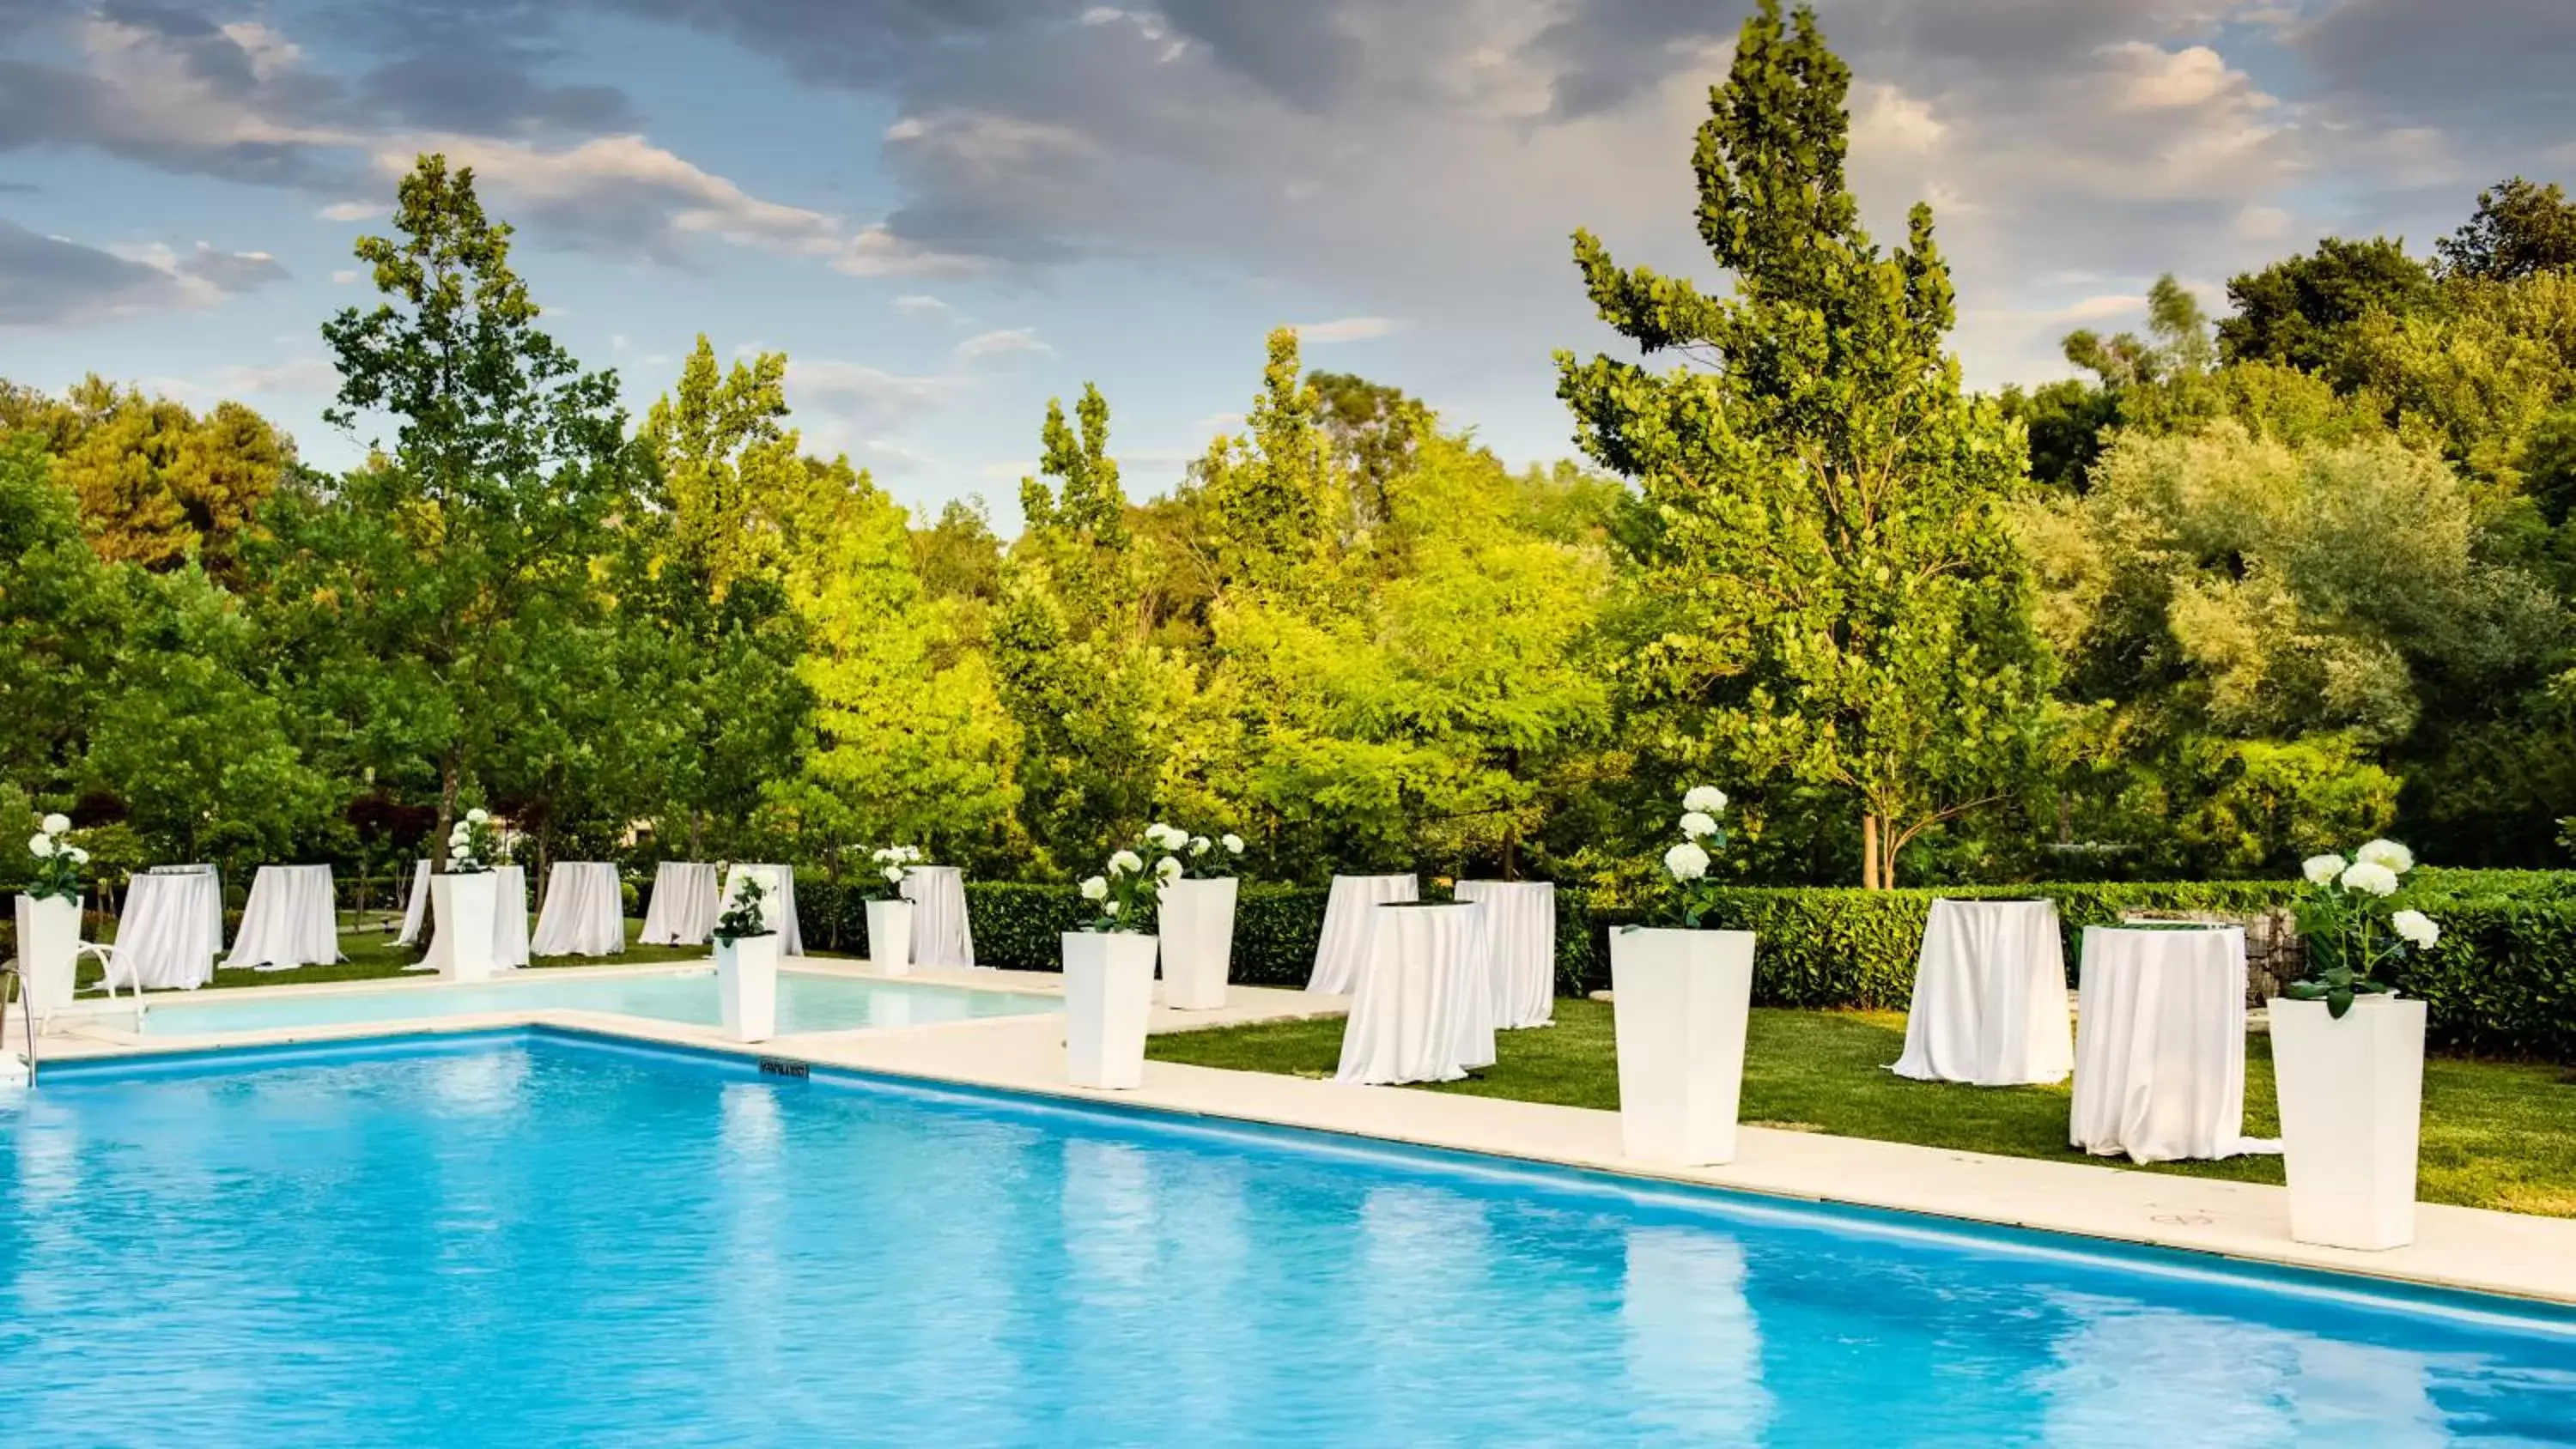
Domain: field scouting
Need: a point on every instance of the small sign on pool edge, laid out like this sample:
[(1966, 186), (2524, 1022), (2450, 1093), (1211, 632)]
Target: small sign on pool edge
[(773, 1067)]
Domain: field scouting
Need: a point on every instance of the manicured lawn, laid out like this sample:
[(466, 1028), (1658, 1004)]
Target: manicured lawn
[(2496, 1134)]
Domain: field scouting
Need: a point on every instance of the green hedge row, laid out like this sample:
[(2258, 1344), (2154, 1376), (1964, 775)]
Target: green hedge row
[(2502, 981)]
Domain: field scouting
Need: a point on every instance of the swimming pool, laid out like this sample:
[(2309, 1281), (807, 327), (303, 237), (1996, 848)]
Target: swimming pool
[(806, 1002), (541, 1239)]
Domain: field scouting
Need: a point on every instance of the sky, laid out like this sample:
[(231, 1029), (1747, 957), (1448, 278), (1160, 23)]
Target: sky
[(946, 212)]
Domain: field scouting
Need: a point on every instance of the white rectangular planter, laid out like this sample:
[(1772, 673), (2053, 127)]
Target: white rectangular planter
[(1108, 991), (460, 945), (747, 986), (48, 945), (890, 937), (2352, 1097), (1678, 1002), (1198, 942)]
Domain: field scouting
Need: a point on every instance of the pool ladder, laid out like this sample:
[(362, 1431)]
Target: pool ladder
[(9, 977)]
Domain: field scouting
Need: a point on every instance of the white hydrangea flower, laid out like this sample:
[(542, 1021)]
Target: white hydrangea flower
[(1110, 910), (1198, 845), (894, 873), (1095, 889), (1686, 861), (40, 846), (2370, 879), (1704, 797), (2320, 869), (2416, 927), (882, 855), (479, 816), (75, 855), (1696, 826), (1168, 869), (912, 852), (1126, 862), (56, 823), (1233, 844), (2397, 858)]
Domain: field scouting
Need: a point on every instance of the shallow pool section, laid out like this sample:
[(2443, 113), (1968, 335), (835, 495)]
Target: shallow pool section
[(540, 1240), (806, 1002)]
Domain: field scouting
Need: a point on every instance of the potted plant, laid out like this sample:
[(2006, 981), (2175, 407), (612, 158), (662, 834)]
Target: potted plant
[(747, 965), (889, 914), (1195, 914), (1679, 997), (465, 900), (49, 918), (2348, 1054), (1109, 977)]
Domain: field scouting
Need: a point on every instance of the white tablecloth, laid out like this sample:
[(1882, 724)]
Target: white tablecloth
[(415, 905), (167, 937), (1520, 948), (939, 931), (582, 915), (1348, 917), (1989, 997), (288, 920), (777, 903), (683, 909), (2160, 1045), (1414, 1016), (510, 917), (214, 898)]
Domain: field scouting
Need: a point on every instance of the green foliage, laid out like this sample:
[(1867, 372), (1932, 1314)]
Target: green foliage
[(158, 485), (2299, 312), (741, 917), (2521, 228)]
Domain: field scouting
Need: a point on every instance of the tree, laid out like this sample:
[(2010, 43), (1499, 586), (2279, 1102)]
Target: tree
[(1375, 429), (158, 484), (2520, 228), (1273, 500), (2299, 312), (468, 548), (1838, 597), (61, 621)]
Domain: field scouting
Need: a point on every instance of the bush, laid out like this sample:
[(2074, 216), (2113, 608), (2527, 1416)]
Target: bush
[(2502, 981)]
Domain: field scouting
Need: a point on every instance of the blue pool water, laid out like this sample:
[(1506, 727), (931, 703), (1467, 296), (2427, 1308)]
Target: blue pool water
[(805, 1003), (535, 1241)]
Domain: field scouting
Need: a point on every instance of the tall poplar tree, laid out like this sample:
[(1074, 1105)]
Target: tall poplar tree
[(1835, 596)]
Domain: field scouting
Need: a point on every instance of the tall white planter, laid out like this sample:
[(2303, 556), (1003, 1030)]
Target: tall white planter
[(2352, 1097), (465, 906), (890, 937), (48, 944), (1679, 1000), (1108, 990), (1198, 942), (747, 986)]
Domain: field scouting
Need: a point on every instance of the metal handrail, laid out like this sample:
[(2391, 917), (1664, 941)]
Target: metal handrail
[(10, 975)]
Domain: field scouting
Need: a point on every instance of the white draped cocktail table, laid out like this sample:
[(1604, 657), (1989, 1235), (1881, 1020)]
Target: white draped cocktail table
[(777, 902), (1348, 915), (583, 914), (940, 933), (167, 936), (684, 905), (2160, 1045), (288, 921), (1519, 948), (1989, 997), (1415, 1013)]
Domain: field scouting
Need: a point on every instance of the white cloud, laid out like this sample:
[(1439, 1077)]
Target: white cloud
[(351, 211), (920, 304), (1003, 342), (1346, 329), (344, 277), (877, 252)]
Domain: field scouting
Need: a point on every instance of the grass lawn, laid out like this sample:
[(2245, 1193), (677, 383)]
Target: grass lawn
[(2496, 1134), (374, 956)]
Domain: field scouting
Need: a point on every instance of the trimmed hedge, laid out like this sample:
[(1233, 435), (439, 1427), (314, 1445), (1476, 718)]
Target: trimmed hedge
[(2502, 981)]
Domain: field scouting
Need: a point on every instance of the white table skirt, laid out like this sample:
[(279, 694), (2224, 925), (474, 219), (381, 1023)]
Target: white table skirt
[(940, 935), (1348, 915), (1520, 948), (510, 917), (288, 921), (1989, 997), (163, 939), (415, 905), (684, 906), (582, 915), (2160, 1045), (777, 902), (214, 899), (1413, 1016)]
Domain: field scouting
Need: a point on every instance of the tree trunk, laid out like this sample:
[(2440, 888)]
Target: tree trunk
[(1868, 852), (451, 779), (697, 834)]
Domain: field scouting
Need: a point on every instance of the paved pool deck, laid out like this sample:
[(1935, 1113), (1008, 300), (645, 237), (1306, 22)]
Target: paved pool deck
[(2465, 1248)]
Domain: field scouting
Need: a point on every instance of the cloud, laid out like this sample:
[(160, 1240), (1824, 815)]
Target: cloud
[(861, 398), (921, 304), (54, 281), (1003, 343), (1346, 329), (351, 211)]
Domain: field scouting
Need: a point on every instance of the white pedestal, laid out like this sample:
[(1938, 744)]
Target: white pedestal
[(1198, 942), (890, 937), (2352, 1096), (747, 985), (48, 944), (1108, 990), (460, 945), (1679, 1000)]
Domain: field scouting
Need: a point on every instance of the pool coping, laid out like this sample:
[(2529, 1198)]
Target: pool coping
[(2517, 1257)]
